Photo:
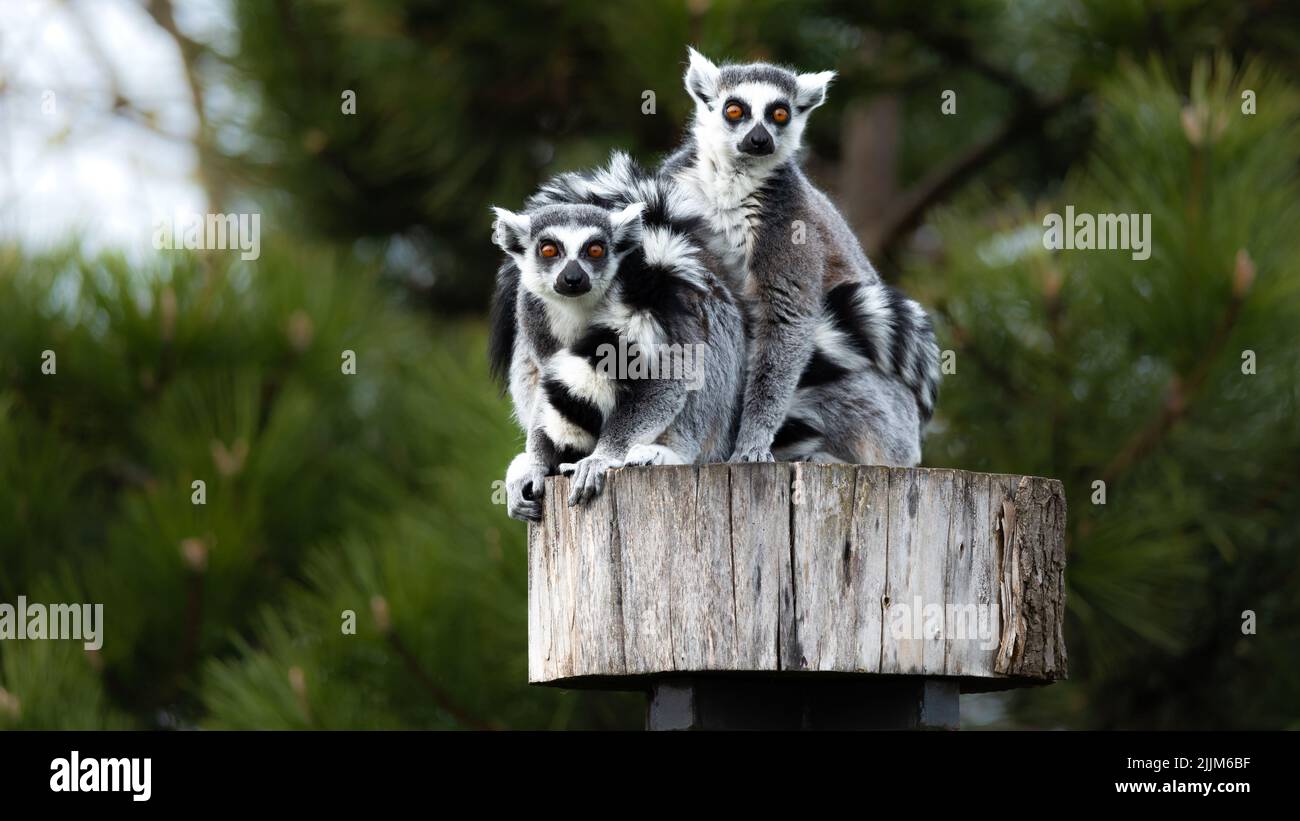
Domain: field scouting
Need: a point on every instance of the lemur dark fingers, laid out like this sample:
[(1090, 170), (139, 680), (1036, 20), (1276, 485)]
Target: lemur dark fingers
[(525, 511), (588, 478), (752, 454)]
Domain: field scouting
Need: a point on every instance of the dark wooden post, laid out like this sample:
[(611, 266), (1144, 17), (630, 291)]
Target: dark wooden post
[(799, 596), (802, 703)]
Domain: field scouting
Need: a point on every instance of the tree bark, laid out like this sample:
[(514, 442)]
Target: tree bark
[(798, 568)]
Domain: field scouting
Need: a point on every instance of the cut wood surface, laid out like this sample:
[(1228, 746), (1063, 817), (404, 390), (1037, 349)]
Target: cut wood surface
[(780, 568)]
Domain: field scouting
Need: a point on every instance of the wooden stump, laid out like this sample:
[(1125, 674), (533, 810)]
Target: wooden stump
[(799, 569)]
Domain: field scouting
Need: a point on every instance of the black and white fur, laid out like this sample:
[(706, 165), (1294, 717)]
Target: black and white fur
[(653, 287), (841, 366)]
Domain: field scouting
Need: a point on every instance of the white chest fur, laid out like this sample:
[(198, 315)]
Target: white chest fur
[(728, 199)]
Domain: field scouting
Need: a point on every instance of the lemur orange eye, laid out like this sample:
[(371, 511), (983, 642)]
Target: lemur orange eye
[(595, 250), (780, 115), (733, 112), (550, 250)]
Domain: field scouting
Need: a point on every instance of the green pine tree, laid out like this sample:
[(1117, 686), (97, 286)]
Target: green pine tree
[(1094, 367), (324, 491)]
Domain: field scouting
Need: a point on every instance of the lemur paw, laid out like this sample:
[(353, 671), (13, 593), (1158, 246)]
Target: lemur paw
[(653, 455), (587, 477), (752, 453), (525, 484)]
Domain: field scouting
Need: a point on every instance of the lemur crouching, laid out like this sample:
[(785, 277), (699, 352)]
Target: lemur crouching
[(621, 347), (841, 367)]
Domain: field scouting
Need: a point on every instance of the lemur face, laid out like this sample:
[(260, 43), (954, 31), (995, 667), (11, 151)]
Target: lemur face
[(567, 252), (753, 114)]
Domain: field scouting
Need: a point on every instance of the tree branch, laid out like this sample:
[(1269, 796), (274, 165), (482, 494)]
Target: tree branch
[(1181, 391), (190, 50), (919, 199), (440, 696)]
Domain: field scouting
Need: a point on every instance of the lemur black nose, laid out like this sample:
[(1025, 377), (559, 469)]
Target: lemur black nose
[(757, 142), (572, 280), (573, 275)]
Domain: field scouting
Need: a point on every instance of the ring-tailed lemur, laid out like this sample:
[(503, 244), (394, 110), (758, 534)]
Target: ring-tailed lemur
[(621, 347), (841, 366)]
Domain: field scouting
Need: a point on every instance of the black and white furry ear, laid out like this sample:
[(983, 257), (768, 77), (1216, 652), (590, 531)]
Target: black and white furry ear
[(810, 90), (702, 78), (510, 231), (626, 223)]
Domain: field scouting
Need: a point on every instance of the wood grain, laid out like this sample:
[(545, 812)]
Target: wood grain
[(799, 567)]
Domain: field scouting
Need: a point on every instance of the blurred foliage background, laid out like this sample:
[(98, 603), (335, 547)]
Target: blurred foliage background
[(373, 493)]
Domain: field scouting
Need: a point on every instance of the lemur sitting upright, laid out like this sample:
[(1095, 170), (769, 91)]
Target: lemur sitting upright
[(622, 347), (841, 366)]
